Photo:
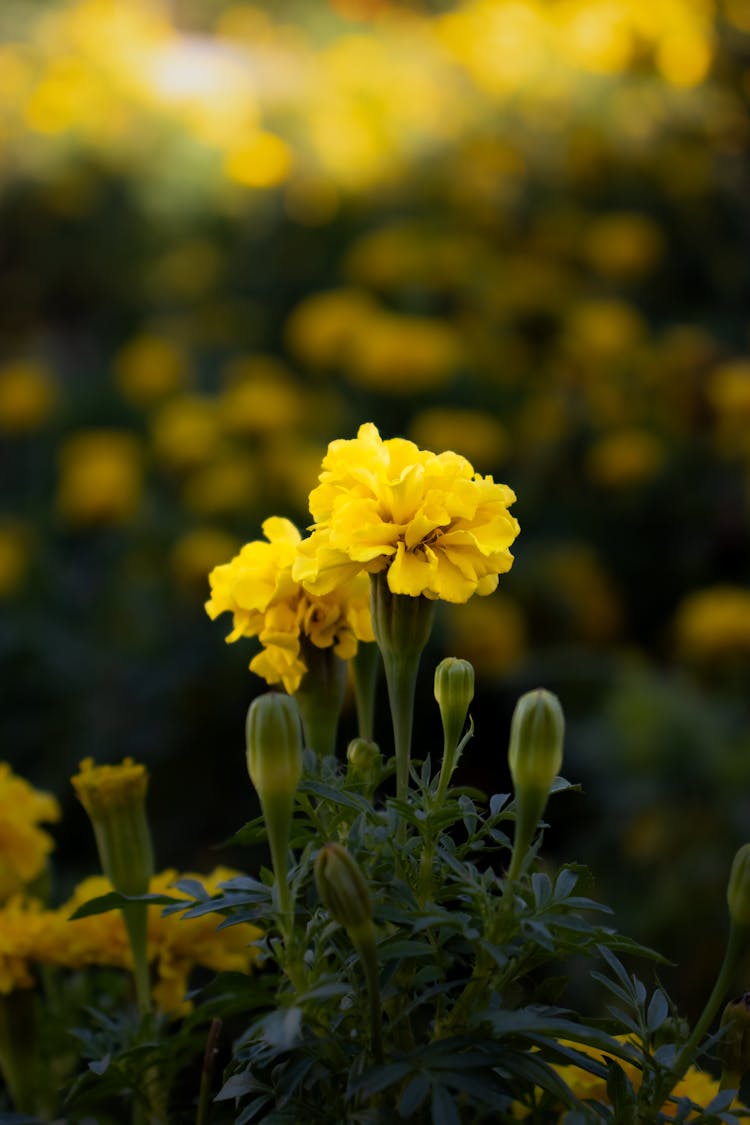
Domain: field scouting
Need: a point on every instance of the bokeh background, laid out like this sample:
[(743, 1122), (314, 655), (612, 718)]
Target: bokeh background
[(520, 229)]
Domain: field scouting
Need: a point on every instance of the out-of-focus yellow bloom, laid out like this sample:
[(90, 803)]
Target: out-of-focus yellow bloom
[(176, 945), (321, 328), (728, 392), (400, 354), (623, 245), (604, 329), (150, 367), (262, 160), (185, 431), (260, 397), (15, 539), (24, 846), (100, 477), (478, 435), (491, 634), (200, 550), (258, 589), (28, 396), (439, 528), (696, 1084), (714, 623), (106, 788), (229, 483), (625, 458), (589, 599), (684, 57), (189, 270), (23, 926), (291, 464)]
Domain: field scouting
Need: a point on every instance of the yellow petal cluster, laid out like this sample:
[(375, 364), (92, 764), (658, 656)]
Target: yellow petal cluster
[(31, 935), (696, 1085), (102, 789), (258, 588), (24, 846), (439, 528)]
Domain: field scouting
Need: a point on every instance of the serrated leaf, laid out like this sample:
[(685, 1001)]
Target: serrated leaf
[(237, 1085), (497, 801)]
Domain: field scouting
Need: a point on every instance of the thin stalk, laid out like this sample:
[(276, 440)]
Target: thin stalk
[(401, 677), (207, 1072), (135, 915), (735, 942), (368, 956), (364, 668)]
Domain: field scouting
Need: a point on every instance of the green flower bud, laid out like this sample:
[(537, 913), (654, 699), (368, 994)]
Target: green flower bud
[(274, 745), (363, 756), (734, 1046), (535, 757), (536, 740), (454, 691), (343, 890), (738, 888)]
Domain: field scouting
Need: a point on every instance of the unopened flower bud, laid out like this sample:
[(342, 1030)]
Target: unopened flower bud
[(363, 757), (734, 1046), (343, 890), (738, 888), (454, 691), (536, 740), (274, 745), (115, 799)]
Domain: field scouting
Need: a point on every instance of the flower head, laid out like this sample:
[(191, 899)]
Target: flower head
[(266, 601), (436, 526), (114, 798), (24, 846)]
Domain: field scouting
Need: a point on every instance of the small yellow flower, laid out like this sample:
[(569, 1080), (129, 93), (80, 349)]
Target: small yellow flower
[(149, 367), (436, 526), (24, 846), (28, 396), (258, 588), (714, 624), (101, 477)]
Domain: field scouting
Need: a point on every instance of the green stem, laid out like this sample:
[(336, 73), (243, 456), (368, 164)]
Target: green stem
[(207, 1073), (364, 668), (366, 949), (135, 915), (401, 677), (320, 697), (18, 1049), (735, 942)]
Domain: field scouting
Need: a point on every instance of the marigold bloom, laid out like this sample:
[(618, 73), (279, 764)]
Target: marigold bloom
[(257, 587), (24, 846), (114, 798), (696, 1085), (439, 528)]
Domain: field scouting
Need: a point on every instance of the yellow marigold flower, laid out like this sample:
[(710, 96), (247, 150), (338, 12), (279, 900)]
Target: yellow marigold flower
[(114, 798), (22, 924), (176, 945), (100, 478), (266, 601), (714, 623), (28, 396), (149, 367), (24, 846), (439, 528), (696, 1084)]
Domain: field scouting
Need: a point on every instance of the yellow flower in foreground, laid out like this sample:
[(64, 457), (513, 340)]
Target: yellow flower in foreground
[(24, 846), (696, 1085), (439, 528), (257, 587)]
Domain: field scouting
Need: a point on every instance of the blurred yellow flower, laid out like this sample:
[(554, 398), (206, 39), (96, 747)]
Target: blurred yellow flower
[(106, 788), (149, 367), (604, 329), (402, 355), (623, 245), (176, 945), (321, 328), (199, 550), (713, 624), (260, 397), (728, 392), (23, 925), (262, 160), (228, 483), (100, 477), (24, 845), (185, 431), (28, 396), (439, 528), (491, 634), (15, 544), (588, 598), (696, 1085), (258, 589), (478, 435), (625, 458)]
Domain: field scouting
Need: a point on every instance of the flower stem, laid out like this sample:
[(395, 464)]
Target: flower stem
[(320, 697), (735, 942), (135, 915), (366, 949), (207, 1072), (365, 676)]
